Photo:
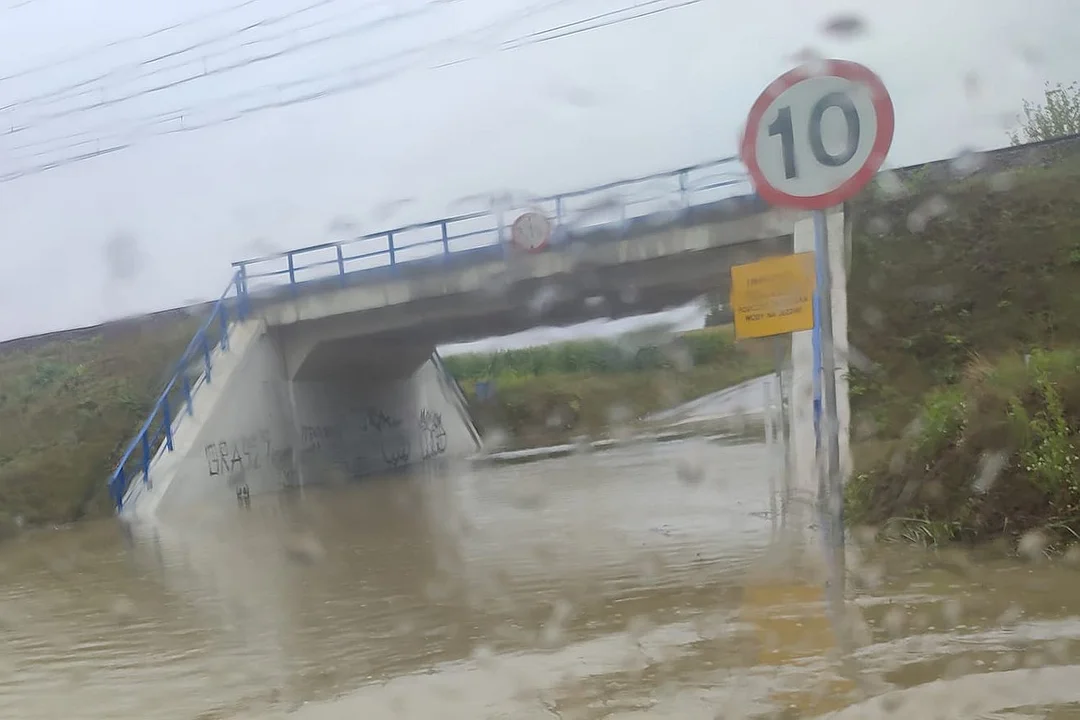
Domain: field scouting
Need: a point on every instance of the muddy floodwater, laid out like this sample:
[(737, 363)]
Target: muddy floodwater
[(624, 584)]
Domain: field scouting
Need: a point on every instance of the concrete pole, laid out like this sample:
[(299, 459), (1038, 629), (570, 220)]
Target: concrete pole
[(802, 454)]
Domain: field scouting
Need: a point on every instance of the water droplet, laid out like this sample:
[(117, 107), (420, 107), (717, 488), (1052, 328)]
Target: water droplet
[(1033, 545), (879, 225), (872, 576), (990, 466), (690, 468), (123, 610), (890, 186), (953, 611), (123, 257), (1072, 555), (873, 316), (343, 227), (917, 221), (967, 162), (844, 25), (895, 621), (544, 300), (1011, 615), (806, 55), (484, 657), (971, 85), (638, 627), (553, 630), (1003, 181)]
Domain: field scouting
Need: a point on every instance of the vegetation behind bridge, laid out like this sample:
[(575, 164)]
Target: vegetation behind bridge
[(552, 393)]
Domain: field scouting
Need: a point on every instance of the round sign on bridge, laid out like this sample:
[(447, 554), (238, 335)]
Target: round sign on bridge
[(531, 231), (817, 135)]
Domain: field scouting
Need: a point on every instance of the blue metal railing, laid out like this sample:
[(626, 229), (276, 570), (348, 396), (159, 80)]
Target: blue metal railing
[(662, 195), (176, 401)]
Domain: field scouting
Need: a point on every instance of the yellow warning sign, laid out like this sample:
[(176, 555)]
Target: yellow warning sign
[(773, 296)]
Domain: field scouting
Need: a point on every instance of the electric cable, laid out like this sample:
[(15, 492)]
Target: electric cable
[(646, 7)]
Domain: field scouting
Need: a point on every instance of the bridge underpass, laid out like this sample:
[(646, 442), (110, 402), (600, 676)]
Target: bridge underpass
[(336, 376)]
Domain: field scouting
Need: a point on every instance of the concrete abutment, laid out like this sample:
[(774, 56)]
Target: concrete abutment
[(257, 429)]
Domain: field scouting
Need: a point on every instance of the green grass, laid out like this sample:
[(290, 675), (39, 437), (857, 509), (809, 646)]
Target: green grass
[(945, 309), (67, 406), (552, 393), (995, 453), (633, 352), (554, 408)]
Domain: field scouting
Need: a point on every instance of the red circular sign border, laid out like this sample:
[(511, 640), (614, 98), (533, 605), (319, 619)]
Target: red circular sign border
[(513, 234), (886, 124)]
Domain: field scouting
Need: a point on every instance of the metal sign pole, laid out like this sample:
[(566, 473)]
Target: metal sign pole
[(832, 497), (780, 345)]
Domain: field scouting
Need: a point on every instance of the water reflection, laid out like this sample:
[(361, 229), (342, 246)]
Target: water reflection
[(593, 586)]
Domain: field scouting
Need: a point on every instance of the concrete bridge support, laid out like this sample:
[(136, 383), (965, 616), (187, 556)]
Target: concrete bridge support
[(258, 429)]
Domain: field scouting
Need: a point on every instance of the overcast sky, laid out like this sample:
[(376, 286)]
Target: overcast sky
[(157, 224)]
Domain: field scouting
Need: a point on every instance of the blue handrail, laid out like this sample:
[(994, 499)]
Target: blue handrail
[(695, 184), (160, 425)]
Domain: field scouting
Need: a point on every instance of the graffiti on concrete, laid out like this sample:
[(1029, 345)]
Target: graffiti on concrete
[(319, 436), (359, 442), (231, 456), (378, 420), (432, 434), (282, 461), (394, 444), (362, 441)]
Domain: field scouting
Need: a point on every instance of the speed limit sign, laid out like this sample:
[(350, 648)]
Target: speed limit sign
[(531, 231), (818, 134)]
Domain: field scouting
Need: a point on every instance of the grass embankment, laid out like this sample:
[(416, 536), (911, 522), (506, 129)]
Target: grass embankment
[(550, 394), (68, 403), (966, 300)]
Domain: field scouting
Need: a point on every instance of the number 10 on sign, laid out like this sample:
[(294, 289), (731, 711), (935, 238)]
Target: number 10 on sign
[(818, 134)]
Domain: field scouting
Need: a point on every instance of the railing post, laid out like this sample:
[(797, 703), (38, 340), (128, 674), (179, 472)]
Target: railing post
[(683, 196), (145, 457), (292, 273), (341, 264), (390, 248), (558, 210), (166, 421), (445, 239), (116, 488), (206, 355), (187, 394), (241, 292), (224, 327)]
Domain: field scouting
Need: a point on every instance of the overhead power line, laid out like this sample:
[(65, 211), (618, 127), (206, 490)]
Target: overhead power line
[(85, 138), (129, 40), (94, 84), (306, 90), (352, 31)]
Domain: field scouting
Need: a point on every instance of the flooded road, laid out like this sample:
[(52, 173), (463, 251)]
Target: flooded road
[(624, 584)]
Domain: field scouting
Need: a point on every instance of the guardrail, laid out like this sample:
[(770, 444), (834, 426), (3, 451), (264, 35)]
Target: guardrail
[(663, 195), (175, 402)]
